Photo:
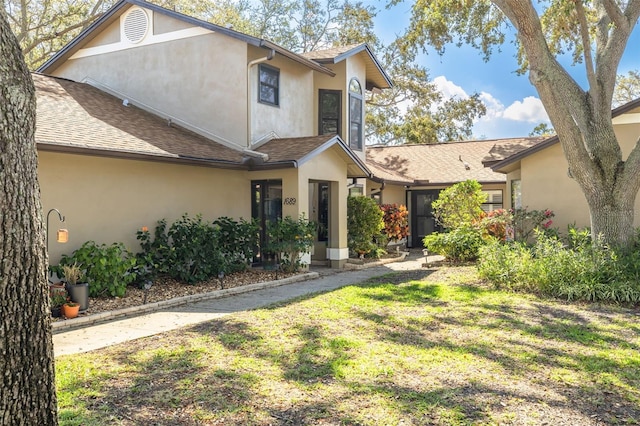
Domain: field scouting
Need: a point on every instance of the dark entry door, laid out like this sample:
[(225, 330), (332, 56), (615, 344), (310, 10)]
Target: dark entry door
[(422, 220), (266, 206)]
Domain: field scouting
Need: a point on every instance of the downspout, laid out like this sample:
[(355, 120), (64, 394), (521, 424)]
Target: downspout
[(269, 57)]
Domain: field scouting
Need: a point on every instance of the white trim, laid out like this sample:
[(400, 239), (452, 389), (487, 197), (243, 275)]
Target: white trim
[(337, 253), (149, 40), (627, 119)]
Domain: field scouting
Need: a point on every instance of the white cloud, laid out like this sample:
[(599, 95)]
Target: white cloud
[(448, 88), (512, 121), (529, 110)]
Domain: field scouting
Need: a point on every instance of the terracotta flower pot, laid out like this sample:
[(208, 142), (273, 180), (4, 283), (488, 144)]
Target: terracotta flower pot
[(70, 311)]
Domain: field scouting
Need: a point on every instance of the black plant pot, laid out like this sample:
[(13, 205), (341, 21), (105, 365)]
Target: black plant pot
[(56, 312), (79, 293)]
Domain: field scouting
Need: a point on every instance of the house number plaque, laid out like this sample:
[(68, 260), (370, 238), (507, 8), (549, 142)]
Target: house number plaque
[(290, 201)]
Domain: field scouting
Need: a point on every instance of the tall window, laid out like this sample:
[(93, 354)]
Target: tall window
[(329, 121), (355, 115), (269, 85), (516, 194)]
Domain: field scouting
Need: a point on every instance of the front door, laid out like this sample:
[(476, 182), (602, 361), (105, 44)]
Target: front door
[(319, 213), (422, 220), (266, 206)]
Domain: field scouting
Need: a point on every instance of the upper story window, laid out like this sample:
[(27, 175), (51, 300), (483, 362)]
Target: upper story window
[(330, 119), (269, 85), (356, 115)]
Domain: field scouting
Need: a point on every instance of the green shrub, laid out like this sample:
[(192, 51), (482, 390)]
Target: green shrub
[(583, 271), (290, 238), (364, 223), (237, 240), (193, 250), (108, 269), (459, 245), (459, 205), (194, 256)]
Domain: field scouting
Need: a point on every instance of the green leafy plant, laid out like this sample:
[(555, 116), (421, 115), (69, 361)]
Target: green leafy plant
[(458, 245), (364, 223), (290, 238), (459, 205), (194, 256), (238, 241), (108, 268)]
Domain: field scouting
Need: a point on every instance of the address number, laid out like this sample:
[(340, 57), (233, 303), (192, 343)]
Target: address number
[(289, 201)]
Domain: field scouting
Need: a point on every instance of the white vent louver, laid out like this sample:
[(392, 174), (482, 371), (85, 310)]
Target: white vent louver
[(136, 25)]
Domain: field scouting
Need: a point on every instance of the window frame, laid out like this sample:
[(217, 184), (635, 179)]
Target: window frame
[(321, 118), (356, 96), (489, 205), (274, 72)]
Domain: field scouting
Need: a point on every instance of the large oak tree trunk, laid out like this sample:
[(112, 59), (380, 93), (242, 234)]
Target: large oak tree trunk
[(27, 387)]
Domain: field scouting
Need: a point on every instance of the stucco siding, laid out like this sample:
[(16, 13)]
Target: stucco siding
[(293, 116), (199, 79), (546, 183), (108, 200)]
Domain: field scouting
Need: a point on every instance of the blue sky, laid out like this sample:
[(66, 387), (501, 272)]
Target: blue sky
[(513, 106)]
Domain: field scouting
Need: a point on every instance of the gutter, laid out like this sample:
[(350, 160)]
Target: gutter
[(250, 65)]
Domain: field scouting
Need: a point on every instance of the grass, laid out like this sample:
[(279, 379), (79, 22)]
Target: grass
[(409, 348)]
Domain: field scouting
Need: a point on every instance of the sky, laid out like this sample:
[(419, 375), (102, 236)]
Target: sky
[(513, 105)]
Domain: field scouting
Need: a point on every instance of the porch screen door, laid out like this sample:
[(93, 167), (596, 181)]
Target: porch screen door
[(266, 206), (422, 220)]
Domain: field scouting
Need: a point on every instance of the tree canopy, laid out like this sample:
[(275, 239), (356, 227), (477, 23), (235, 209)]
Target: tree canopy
[(595, 34)]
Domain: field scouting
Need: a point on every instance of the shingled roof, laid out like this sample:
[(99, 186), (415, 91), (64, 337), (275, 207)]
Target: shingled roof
[(444, 163), (77, 117)]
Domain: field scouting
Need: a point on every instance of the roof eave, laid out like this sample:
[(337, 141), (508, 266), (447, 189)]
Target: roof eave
[(131, 155)]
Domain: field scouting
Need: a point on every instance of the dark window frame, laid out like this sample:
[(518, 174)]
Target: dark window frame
[(321, 118), (262, 68), (356, 96)]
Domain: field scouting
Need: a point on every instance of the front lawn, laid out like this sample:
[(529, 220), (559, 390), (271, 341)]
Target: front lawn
[(415, 348)]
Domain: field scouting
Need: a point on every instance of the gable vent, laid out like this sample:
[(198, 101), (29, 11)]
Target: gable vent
[(136, 25)]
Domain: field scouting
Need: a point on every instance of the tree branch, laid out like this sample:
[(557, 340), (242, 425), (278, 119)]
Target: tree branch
[(614, 12), (586, 44)]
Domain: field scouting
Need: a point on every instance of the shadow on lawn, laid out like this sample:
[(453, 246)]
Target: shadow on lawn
[(514, 347)]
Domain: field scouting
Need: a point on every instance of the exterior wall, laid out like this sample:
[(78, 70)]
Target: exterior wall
[(546, 184), (108, 200), (200, 79), (330, 167), (295, 114)]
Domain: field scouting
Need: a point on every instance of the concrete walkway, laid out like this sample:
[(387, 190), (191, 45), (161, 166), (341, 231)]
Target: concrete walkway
[(96, 336)]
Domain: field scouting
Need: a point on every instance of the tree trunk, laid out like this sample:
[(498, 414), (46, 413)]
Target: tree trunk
[(612, 217), (27, 386)]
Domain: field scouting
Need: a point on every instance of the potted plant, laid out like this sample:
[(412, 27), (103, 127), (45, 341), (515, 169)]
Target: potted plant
[(57, 300), (70, 309), (78, 291)]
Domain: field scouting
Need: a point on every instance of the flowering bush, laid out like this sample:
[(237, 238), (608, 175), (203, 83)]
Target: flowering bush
[(498, 224), (526, 221), (396, 221)]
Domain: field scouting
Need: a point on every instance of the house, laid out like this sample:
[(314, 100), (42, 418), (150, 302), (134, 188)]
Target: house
[(414, 175), (539, 178), (150, 114)]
